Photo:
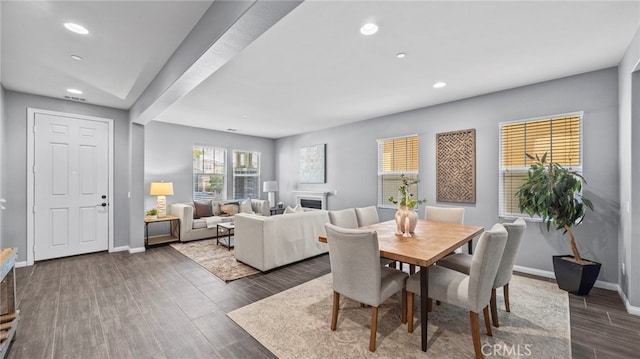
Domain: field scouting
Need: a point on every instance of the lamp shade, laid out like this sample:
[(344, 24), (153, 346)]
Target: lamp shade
[(270, 186), (161, 189)]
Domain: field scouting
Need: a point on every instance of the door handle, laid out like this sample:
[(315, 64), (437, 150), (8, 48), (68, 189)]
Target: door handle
[(103, 204)]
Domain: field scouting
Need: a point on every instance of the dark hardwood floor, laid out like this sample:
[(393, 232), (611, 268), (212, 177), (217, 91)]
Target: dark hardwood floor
[(160, 304)]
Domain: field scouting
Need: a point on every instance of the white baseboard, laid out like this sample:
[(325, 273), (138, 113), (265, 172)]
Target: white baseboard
[(549, 274), (21, 264), (120, 249), (630, 308), (136, 250)]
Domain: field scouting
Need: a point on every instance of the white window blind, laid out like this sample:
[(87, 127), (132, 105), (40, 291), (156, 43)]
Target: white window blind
[(246, 174), (559, 136), (209, 177), (396, 156)]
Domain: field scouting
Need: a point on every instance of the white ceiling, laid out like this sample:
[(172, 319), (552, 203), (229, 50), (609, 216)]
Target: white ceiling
[(128, 43), (313, 69)]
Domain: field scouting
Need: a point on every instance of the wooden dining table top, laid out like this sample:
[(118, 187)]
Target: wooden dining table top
[(430, 242)]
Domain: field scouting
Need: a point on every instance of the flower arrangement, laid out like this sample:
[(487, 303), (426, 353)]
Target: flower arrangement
[(152, 212), (406, 198)]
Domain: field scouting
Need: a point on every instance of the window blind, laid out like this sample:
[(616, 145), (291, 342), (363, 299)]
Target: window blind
[(209, 172), (558, 136), (396, 156), (246, 174)]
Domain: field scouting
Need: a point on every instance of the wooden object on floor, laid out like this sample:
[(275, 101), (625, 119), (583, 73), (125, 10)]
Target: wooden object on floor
[(173, 236), (475, 334), (9, 315)]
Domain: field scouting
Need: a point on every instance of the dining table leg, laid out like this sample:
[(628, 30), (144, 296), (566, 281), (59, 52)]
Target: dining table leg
[(424, 295)]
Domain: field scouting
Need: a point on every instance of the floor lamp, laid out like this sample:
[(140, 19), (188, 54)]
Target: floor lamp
[(161, 189), (271, 187)]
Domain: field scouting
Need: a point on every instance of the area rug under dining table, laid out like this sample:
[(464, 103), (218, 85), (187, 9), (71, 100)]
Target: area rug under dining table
[(295, 324)]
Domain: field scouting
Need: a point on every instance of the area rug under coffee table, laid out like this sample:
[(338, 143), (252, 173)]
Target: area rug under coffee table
[(295, 324), (217, 259)]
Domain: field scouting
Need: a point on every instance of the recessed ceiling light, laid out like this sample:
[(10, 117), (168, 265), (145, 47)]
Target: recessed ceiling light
[(78, 29), (244, 115), (74, 91), (438, 85), (369, 29), (76, 57), (401, 55)]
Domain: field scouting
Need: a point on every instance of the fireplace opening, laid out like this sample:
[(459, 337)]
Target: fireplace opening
[(311, 203)]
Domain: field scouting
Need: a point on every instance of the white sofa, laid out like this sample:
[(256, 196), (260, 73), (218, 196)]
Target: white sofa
[(269, 242), (192, 229)]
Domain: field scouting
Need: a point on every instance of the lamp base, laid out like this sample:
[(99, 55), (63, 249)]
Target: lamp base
[(272, 199), (162, 206)]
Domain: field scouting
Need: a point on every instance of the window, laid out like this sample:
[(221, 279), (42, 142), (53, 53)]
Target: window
[(558, 136), (395, 157), (209, 172), (246, 174)]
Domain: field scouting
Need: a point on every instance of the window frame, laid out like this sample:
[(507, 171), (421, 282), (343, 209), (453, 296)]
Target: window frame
[(382, 200), (504, 169), (234, 175), (195, 174)]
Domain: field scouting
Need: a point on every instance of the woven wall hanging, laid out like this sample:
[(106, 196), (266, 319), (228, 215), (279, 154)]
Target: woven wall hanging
[(456, 166)]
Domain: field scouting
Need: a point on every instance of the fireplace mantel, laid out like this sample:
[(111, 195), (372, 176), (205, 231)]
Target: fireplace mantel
[(311, 200)]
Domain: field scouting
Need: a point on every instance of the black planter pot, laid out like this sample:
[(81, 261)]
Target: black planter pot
[(573, 277)]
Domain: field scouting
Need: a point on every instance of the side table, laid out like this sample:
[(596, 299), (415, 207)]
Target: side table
[(276, 210), (227, 231), (173, 236), (9, 315)]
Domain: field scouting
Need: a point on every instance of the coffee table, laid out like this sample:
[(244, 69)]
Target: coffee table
[(228, 228)]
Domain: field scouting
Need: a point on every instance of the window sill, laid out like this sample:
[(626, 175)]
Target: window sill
[(526, 218)]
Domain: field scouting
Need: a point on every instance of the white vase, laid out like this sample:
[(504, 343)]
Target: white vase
[(406, 221)]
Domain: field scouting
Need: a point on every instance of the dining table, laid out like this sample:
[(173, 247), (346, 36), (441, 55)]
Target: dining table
[(430, 242)]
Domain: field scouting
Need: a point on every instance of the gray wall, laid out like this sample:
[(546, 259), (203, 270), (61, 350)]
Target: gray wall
[(352, 159), (15, 163), (3, 142), (136, 228), (168, 157), (629, 152)]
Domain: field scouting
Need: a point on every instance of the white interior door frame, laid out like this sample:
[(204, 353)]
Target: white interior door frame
[(31, 114)]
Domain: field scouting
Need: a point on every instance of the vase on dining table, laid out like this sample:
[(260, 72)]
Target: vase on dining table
[(406, 221)]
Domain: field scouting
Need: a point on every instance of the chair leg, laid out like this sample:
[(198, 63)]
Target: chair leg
[(494, 308), (403, 316), (475, 334), (374, 329), (487, 325), (506, 296), (336, 307), (410, 312), (412, 268)]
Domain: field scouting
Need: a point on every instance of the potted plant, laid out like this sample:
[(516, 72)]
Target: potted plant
[(406, 216), (554, 193), (152, 213)]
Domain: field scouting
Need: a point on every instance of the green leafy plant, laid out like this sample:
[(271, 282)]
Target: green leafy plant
[(554, 193), (406, 198), (152, 212)]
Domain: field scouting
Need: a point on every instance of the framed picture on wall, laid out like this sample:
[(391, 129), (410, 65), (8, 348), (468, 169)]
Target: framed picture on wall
[(456, 166), (312, 164)]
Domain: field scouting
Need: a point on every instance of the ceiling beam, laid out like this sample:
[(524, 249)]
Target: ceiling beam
[(225, 29)]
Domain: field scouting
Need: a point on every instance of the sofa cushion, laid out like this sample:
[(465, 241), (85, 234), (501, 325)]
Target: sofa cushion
[(199, 223), (245, 206), (230, 209), (296, 209), (202, 209)]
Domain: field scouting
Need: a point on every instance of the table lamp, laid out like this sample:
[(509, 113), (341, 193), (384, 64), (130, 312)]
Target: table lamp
[(271, 187), (161, 189)]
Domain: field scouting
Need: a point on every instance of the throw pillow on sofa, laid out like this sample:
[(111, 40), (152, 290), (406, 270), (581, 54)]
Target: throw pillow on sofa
[(245, 206), (230, 209), (202, 209), (296, 209)]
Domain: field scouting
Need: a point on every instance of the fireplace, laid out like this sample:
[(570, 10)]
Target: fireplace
[(311, 200)]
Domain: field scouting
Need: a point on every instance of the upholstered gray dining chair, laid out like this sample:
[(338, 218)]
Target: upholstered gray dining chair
[(357, 273), (472, 291), (367, 216), (462, 263), (345, 218), (444, 214)]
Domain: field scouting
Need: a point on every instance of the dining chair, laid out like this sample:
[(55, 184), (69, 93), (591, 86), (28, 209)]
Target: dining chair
[(472, 291), (345, 218), (444, 214), (462, 263), (357, 274), (367, 216)]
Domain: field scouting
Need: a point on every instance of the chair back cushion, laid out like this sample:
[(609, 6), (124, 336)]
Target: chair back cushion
[(367, 216), (444, 214), (515, 233), (484, 266), (355, 263), (345, 218)]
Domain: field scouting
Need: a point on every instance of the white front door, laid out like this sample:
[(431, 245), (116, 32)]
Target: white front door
[(71, 186)]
